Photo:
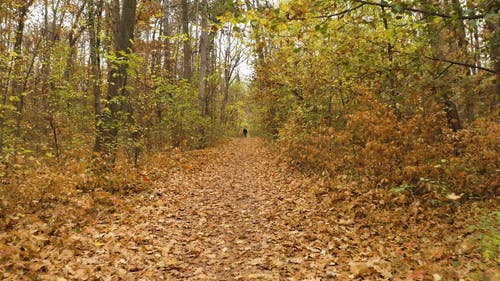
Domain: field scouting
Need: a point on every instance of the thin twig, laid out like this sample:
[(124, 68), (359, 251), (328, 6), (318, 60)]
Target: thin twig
[(329, 15)]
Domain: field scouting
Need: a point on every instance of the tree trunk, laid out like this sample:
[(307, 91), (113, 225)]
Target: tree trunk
[(167, 47), (493, 25), (452, 114), (188, 73), (211, 86), (47, 87), (227, 68), (204, 60), (463, 54), (16, 85), (259, 40), (73, 37), (123, 19), (391, 75), (94, 14)]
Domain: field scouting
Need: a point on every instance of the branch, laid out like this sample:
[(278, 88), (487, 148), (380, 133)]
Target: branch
[(329, 15), (443, 71), (296, 93), (425, 12), (339, 13), (462, 64)]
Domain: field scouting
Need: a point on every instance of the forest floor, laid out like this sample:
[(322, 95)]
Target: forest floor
[(237, 212)]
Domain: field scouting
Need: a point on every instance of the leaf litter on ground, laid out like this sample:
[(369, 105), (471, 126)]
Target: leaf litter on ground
[(238, 212)]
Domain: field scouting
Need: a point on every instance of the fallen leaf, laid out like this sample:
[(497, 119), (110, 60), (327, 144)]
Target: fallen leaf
[(359, 269), (453, 196)]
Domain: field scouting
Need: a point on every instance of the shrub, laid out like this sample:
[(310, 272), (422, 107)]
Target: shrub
[(418, 152)]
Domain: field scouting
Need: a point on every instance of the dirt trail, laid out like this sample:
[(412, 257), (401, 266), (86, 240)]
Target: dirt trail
[(230, 220), (233, 217)]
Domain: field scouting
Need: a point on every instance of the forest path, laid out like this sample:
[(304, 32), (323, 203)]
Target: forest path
[(232, 218), (235, 215)]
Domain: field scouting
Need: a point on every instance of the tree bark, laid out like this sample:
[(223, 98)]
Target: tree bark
[(187, 51), (204, 60), (123, 21), (391, 74), (167, 46), (16, 85), (493, 25), (94, 14), (73, 37), (463, 54), (231, 59)]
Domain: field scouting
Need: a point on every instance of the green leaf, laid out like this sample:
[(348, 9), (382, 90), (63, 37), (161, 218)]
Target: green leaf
[(14, 99), (397, 8)]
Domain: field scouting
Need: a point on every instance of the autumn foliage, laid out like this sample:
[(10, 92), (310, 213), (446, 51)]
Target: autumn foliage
[(368, 94), (418, 154)]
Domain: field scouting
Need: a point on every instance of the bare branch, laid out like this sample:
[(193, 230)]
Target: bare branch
[(340, 13), (462, 64), (425, 12)]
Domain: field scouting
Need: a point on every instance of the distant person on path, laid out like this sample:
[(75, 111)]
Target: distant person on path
[(245, 132)]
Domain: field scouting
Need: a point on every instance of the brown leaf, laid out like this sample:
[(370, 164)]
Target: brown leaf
[(359, 269)]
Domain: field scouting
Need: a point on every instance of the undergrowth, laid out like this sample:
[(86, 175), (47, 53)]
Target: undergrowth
[(418, 154)]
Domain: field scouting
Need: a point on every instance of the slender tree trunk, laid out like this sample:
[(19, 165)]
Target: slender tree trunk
[(227, 80), (463, 53), (73, 37), (477, 47), (493, 25), (16, 85), (204, 53), (211, 86), (259, 40), (391, 74), (167, 46), (187, 51), (94, 14), (52, 36)]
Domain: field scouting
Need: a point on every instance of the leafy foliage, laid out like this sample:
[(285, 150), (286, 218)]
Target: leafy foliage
[(182, 119)]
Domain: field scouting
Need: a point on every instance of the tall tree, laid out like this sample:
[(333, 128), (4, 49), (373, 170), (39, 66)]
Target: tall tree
[(17, 85), (94, 14), (204, 60), (123, 22), (166, 27), (187, 49), (493, 26)]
